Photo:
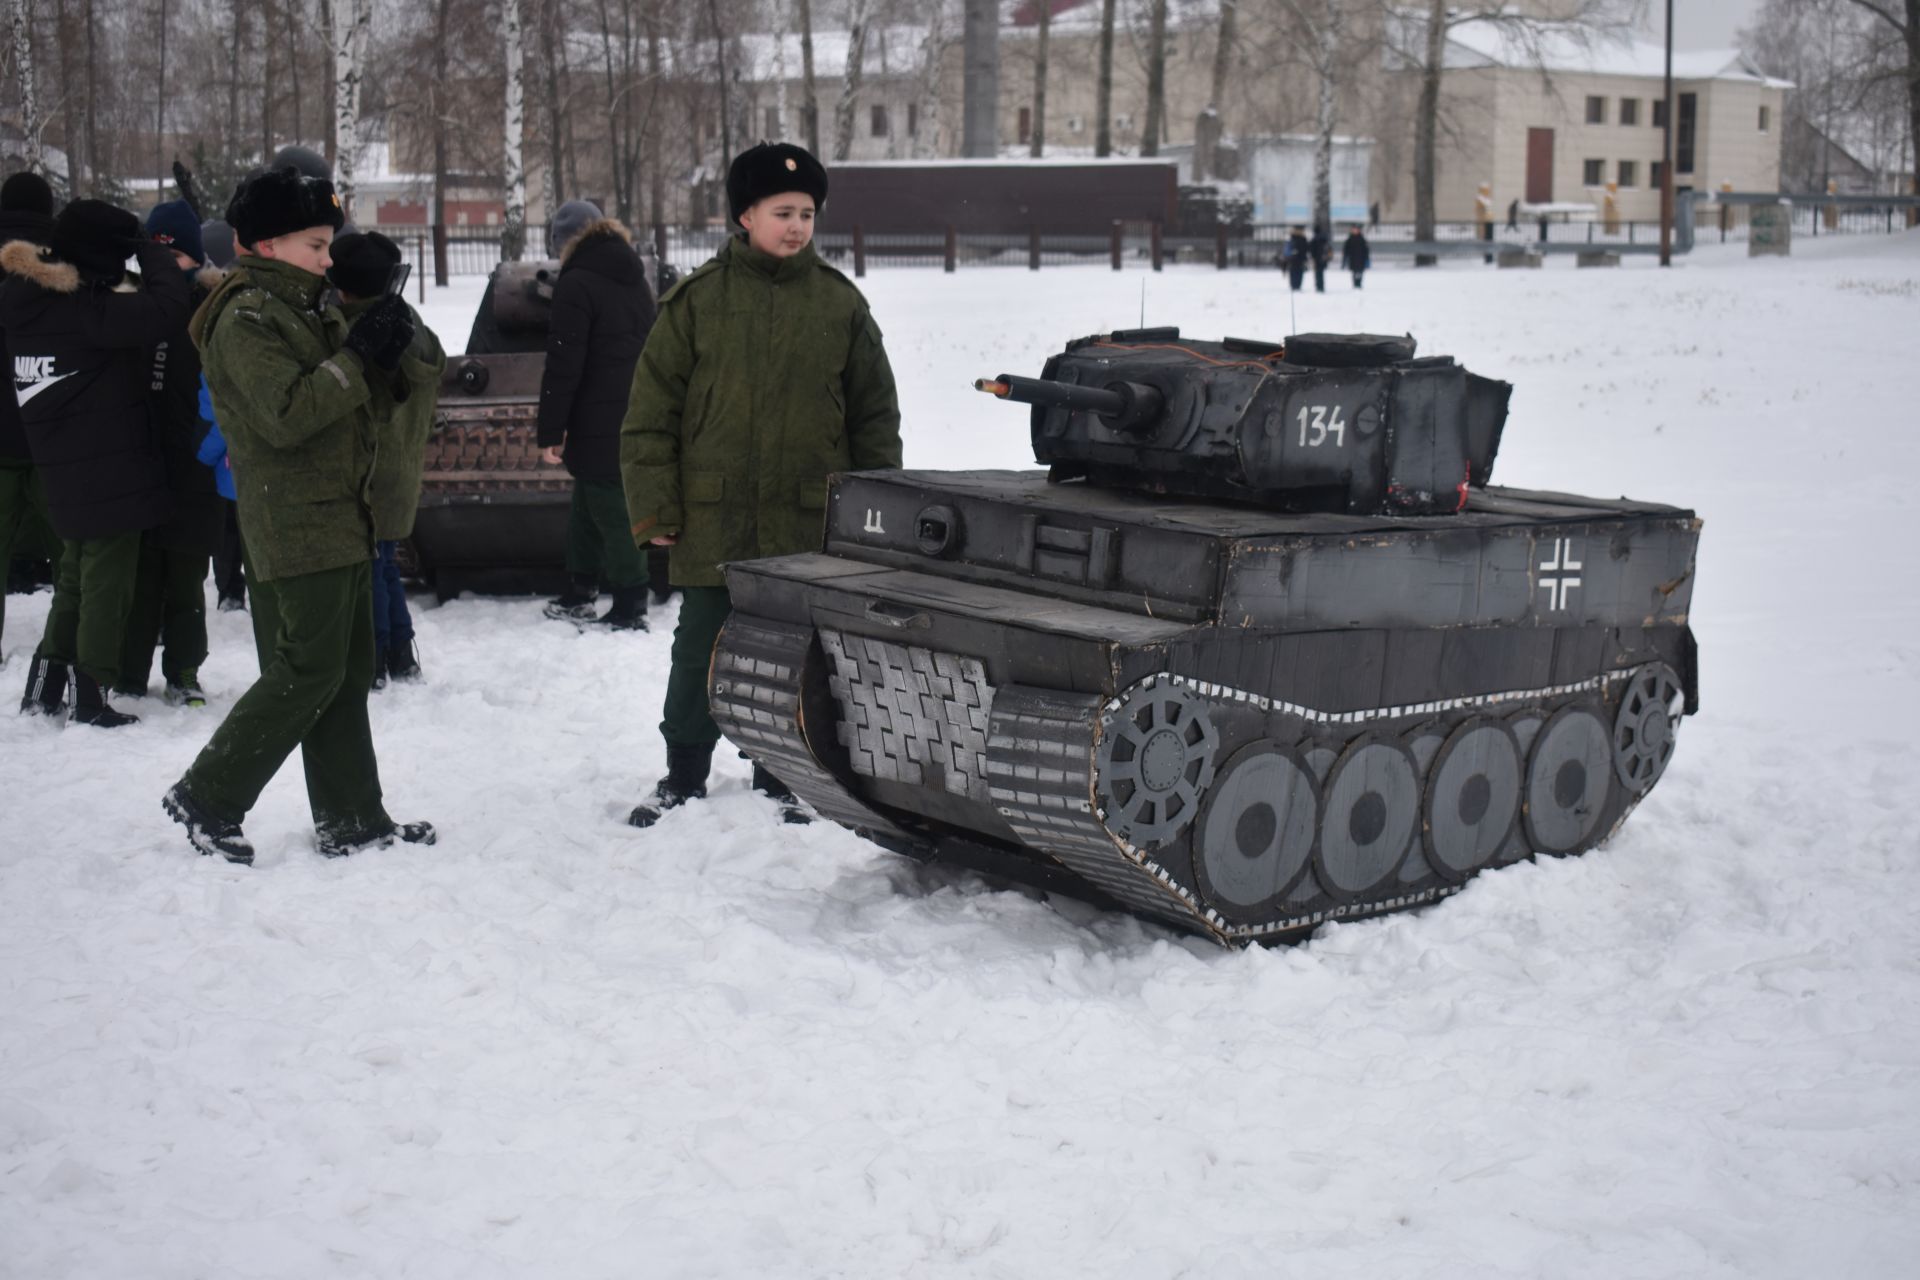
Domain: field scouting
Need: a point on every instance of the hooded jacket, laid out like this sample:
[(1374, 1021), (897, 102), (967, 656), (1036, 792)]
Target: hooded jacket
[(197, 519), (36, 229), (82, 370), (762, 376), (292, 403), (602, 312)]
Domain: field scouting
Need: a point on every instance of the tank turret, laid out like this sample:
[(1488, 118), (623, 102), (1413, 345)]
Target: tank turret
[(1353, 423)]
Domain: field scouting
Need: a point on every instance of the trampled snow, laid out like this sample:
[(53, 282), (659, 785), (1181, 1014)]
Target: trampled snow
[(555, 1046)]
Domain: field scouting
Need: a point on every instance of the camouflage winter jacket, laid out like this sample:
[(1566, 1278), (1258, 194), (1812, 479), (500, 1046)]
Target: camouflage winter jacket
[(292, 403), (761, 376), (402, 405)]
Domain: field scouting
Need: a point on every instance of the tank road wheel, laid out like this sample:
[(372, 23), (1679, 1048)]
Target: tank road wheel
[(1568, 780), (1473, 797), (1643, 731), (1155, 759), (1255, 836), (1367, 821)]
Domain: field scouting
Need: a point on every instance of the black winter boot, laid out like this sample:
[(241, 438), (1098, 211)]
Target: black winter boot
[(90, 705), (403, 660), (686, 780), (46, 688), (337, 844), (576, 603), (628, 613), (781, 794), (208, 834)]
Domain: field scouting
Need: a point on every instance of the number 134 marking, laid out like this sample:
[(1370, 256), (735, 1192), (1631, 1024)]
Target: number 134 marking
[(1322, 421)]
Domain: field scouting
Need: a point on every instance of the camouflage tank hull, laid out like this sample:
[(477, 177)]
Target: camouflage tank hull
[(1239, 723)]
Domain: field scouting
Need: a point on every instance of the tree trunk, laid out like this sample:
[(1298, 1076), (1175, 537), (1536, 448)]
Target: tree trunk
[(237, 31), (811, 100), (726, 88), (782, 18), (441, 23), (932, 88), (1039, 146), (550, 188), (1156, 81), (980, 79), (295, 20), (656, 179), (93, 115), (1103, 94), (1325, 56), (69, 105), (23, 73), (857, 17), (332, 144), (1426, 118), (159, 108), (614, 149), (1210, 128), (350, 42), (513, 225), (266, 78)]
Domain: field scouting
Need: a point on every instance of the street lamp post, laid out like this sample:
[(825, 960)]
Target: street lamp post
[(1666, 154)]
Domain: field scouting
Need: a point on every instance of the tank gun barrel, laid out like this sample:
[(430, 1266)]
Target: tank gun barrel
[(1126, 406)]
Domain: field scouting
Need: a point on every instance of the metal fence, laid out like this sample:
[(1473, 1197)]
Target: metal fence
[(475, 250)]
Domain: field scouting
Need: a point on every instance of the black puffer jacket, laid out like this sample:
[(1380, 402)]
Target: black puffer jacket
[(197, 517), (82, 369), (34, 228), (602, 313)]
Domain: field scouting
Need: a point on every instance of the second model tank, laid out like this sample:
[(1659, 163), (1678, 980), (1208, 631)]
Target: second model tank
[(1261, 647)]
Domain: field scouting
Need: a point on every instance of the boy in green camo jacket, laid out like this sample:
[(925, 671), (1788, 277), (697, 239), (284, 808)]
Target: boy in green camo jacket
[(763, 374)]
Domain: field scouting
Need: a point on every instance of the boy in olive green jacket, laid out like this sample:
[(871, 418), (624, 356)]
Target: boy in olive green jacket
[(763, 374), (291, 382)]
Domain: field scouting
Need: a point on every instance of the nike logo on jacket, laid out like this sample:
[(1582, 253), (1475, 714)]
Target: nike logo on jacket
[(34, 374)]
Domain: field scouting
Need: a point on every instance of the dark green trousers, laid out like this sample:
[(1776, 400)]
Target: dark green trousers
[(600, 539), (24, 530), (92, 593), (314, 632), (169, 608), (686, 721)]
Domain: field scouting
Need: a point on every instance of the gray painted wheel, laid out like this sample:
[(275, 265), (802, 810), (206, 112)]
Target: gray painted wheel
[(1473, 797), (1154, 762), (1650, 711), (1256, 827), (1368, 816), (1568, 779)]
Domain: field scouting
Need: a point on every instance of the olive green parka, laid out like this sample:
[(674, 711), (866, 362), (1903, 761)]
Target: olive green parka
[(761, 377), (401, 405)]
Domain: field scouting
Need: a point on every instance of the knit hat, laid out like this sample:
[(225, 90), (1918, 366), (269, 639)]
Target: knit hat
[(280, 202), (26, 192), (97, 238), (363, 262), (570, 219), (309, 162), (771, 169), (217, 238), (174, 224)]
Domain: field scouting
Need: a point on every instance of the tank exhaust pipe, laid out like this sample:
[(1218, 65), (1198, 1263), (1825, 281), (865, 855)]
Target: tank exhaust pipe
[(1122, 406)]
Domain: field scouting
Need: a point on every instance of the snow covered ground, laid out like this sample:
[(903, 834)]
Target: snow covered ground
[(554, 1046)]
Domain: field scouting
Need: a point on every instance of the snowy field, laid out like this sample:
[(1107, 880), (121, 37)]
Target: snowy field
[(553, 1046)]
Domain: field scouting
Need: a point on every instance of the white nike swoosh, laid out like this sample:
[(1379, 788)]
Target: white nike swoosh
[(27, 393)]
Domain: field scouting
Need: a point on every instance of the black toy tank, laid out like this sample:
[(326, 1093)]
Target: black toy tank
[(1261, 648)]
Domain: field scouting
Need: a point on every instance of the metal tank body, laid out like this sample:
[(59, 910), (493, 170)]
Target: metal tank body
[(1240, 698)]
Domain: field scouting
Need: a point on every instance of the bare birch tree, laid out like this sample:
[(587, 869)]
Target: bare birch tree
[(23, 75), (811, 97), (931, 88), (1210, 127), (859, 14), (1906, 26), (513, 224), (352, 18), (1326, 29)]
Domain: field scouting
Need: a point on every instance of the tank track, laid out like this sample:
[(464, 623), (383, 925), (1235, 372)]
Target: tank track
[(1053, 761)]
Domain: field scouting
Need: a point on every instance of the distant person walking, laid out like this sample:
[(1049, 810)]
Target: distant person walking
[(1356, 255), (602, 313), (1320, 249), (1293, 258)]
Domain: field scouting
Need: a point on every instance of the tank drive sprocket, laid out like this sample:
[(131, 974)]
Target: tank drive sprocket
[(1156, 759), (1643, 730)]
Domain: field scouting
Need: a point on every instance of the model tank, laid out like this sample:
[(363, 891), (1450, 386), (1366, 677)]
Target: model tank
[(1261, 648), (493, 515)]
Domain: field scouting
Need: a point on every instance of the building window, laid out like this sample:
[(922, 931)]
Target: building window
[(1594, 172), (1657, 174), (1026, 125), (773, 124), (1629, 111), (879, 121), (1765, 119), (1659, 113), (1628, 171), (1683, 133), (913, 119), (1596, 110)]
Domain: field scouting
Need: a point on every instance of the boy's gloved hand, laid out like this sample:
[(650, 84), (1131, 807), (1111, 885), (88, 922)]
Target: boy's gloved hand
[(372, 336)]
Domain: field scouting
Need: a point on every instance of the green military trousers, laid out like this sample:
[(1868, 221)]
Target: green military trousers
[(314, 632), (23, 521), (599, 538), (686, 722), (92, 592), (170, 609)]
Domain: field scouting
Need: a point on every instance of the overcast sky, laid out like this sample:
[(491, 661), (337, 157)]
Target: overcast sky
[(1701, 24)]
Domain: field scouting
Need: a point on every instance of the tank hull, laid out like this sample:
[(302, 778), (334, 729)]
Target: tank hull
[(1238, 723)]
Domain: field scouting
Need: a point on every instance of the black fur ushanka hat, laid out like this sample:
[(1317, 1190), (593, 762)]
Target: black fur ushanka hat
[(279, 202), (771, 169)]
